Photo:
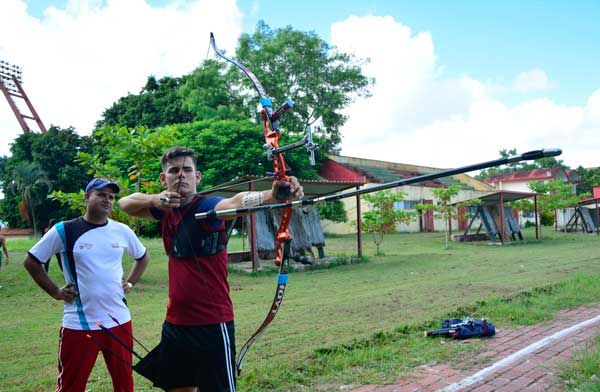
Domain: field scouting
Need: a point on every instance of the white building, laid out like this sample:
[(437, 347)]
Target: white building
[(373, 172)]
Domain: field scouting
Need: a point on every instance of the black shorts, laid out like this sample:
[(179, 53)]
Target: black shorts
[(192, 356)]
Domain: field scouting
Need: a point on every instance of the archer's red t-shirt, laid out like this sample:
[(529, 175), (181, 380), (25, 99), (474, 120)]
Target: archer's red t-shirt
[(198, 287)]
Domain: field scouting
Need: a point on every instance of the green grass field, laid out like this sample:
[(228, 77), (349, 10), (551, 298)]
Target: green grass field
[(346, 325), (583, 373)]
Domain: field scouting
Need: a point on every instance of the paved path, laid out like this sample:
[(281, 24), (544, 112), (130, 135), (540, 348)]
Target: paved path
[(520, 359)]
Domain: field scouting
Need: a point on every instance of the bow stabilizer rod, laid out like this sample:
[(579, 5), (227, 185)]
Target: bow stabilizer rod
[(527, 156)]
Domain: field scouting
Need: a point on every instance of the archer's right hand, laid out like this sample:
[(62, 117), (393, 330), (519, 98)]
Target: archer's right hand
[(168, 200)]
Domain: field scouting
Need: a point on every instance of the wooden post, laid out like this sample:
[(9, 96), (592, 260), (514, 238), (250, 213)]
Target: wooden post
[(597, 221), (535, 215), (358, 224), (501, 218)]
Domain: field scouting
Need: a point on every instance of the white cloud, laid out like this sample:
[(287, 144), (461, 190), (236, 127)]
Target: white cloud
[(592, 110), (403, 65), (417, 116), (532, 80), (77, 61)]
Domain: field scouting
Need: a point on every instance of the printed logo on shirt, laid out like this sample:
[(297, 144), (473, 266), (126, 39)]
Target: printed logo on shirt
[(118, 245), (86, 245)]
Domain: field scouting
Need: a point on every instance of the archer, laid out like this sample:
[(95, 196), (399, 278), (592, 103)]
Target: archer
[(197, 347)]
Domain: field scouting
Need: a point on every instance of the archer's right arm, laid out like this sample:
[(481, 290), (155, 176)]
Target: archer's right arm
[(40, 276), (47, 246), (139, 204)]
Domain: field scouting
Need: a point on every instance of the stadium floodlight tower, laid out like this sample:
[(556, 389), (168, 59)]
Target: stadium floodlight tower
[(10, 84)]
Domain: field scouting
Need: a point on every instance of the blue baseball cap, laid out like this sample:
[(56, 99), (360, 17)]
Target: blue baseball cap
[(99, 183)]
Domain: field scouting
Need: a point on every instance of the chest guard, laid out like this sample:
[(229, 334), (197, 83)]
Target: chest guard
[(195, 239)]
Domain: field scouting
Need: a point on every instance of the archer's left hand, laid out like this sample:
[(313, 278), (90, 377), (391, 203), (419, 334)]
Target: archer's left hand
[(287, 189)]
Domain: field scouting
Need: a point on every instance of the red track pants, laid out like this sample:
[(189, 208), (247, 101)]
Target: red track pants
[(77, 354)]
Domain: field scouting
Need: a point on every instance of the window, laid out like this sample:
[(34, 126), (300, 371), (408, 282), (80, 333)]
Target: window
[(472, 210), (405, 204)]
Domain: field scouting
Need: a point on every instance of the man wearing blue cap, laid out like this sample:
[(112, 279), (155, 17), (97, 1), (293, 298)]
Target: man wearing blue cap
[(91, 249)]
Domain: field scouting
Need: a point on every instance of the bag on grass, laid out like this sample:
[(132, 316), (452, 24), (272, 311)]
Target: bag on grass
[(464, 329)]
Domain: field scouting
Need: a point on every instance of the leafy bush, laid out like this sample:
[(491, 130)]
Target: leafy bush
[(333, 211), (547, 218)]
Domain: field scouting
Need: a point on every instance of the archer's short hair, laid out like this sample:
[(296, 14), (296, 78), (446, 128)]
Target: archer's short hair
[(175, 152)]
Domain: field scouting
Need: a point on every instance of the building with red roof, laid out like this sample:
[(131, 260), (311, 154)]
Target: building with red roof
[(373, 172), (519, 181)]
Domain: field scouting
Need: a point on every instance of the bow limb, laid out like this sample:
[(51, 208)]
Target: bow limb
[(257, 85)]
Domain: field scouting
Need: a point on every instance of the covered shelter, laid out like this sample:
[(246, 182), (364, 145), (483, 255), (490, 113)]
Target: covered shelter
[(312, 189), (587, 215), (497, 218)]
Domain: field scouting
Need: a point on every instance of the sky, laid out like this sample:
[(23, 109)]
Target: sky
[(456, 81)]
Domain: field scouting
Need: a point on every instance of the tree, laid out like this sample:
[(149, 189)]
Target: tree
[(555, 195), (54, 151), (542, 163), (382, 218), (228, 149), (30, 182), (133, 162), (209, 93), (334, 211), (301, 66), (133, 151), (157, 104), (590, 178), (445, 209)]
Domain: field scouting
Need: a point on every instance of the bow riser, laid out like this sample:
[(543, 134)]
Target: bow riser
[(279, 167)]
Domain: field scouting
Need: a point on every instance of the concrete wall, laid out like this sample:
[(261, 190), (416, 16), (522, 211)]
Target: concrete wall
[(520, 186), (523, 186)]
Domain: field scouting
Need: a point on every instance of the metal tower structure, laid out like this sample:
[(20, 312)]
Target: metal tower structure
[(10, 84)]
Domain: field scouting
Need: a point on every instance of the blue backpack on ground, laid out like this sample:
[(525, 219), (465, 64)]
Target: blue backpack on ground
[(464, 329)]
